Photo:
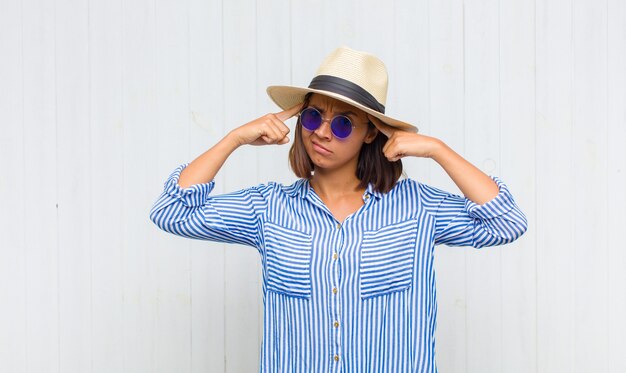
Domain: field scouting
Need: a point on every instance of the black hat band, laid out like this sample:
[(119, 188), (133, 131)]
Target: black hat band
[(347, 88)]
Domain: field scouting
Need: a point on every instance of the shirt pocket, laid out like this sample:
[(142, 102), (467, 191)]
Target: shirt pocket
[(288, 260), (387, 259)]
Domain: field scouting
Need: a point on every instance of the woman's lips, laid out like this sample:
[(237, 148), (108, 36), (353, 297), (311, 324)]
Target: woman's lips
[(320, 149)]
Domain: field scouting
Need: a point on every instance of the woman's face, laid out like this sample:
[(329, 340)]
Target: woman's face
[(327, 151)]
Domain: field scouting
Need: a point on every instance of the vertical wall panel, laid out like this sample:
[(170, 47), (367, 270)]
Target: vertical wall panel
[(41, 185), (336, 29), (107, 159), (589, 182), (206, 128), (74, 184), (13, 255), (555, 192), (616, 184), (143, 181), (305, 40), (517, 159)]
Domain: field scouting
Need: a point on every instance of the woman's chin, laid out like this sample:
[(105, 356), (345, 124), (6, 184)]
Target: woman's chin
[(320, 163)]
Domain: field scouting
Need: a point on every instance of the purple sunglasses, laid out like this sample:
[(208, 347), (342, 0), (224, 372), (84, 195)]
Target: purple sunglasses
[(340, 125)]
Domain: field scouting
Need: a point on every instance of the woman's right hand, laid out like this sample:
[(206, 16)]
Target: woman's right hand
[(268, 129)]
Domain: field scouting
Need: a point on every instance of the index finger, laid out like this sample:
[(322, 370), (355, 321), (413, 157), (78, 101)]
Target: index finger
[(286, 114), (386, 129)]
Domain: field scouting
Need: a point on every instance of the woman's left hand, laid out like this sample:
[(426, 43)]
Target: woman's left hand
[(403, 143)]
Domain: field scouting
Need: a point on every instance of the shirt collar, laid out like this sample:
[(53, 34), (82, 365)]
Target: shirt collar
[(302, 187), (370, 191)]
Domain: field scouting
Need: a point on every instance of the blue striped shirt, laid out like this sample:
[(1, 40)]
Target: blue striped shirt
[(357, 296)]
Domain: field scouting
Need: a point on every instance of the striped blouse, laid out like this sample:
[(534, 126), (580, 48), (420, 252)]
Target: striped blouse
[(357, 296)]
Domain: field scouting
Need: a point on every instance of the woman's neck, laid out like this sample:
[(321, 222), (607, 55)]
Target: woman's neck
[(335, 184)]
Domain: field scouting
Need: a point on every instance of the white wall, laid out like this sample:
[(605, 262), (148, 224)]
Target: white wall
[(100, 100)]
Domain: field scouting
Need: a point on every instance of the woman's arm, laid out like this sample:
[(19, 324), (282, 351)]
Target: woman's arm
[(186, 206), (268, 129), (475, 184), (194, 212), (486, 216), (204, 168)]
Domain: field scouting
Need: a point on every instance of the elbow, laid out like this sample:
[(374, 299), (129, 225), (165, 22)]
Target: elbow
[(514, 230), (521, 224), (158, 218), (524, 228), (154, 217), (513, 227), (502, 234)]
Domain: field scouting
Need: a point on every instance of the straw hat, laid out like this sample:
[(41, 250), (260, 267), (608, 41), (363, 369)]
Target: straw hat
[(354, 77)]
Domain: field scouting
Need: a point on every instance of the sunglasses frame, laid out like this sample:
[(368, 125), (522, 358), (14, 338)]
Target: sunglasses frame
[(352, 125)]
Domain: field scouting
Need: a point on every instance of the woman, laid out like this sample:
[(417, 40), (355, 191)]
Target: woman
[(347, 250)]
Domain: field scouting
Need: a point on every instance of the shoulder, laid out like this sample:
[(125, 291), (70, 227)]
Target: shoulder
[(409, 185), (283, 189), (422, 193), (426, 190)]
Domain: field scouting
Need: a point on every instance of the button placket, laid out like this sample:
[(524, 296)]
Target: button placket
[(335, 304)]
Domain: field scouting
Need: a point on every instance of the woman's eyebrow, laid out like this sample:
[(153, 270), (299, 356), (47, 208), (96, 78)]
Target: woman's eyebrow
[(348, 112)]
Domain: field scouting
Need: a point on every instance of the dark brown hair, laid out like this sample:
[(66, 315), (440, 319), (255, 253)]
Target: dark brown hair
[(372, 166)]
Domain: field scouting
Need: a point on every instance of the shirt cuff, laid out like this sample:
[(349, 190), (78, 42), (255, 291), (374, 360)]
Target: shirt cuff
[(193, 195), (501, 204)]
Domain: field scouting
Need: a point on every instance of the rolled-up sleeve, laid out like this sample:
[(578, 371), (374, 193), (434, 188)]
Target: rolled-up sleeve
[(462, 222), (193, 212)]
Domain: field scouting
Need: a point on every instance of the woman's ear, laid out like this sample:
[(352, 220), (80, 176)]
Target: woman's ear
[(372, 132)]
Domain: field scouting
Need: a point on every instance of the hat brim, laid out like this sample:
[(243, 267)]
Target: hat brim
[(288, 96)]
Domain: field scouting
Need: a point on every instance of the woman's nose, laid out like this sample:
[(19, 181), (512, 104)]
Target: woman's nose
[(324, 131)]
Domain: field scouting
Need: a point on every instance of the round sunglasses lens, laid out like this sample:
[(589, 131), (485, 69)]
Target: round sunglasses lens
[(310, 119), (341, 127)]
